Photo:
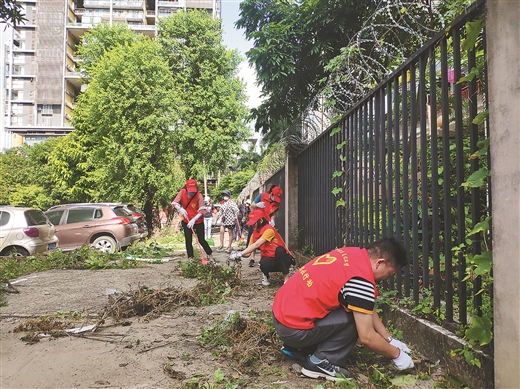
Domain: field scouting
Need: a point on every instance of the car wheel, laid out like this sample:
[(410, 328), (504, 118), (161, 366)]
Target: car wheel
[(105, 244), (16, 252)]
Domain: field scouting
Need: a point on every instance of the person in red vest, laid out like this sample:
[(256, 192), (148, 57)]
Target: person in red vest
[(270, 201), (190, 204), (329, 303), (274, 256)]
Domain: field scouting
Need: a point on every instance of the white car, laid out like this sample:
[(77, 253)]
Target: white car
[(25, 231)]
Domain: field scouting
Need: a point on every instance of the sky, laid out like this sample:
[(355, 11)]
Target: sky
[(235, 39)]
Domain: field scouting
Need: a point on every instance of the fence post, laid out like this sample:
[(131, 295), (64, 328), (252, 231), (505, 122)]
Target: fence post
[(503, 31), (291, 201)]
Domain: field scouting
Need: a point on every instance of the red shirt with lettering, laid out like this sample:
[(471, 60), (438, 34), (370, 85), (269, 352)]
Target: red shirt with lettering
[(313, 291)]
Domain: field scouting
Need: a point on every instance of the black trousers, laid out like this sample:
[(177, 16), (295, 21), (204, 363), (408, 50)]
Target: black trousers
[(188, 236), (280, 263), (249, 233)]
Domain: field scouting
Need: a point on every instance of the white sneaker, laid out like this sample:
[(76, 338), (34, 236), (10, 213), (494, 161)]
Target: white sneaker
[(265, 280)]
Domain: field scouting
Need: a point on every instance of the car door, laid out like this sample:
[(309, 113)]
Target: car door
[(76, 228)]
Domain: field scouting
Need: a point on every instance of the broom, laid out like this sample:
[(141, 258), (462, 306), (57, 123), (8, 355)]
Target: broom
[(202, 252), (242, 239)]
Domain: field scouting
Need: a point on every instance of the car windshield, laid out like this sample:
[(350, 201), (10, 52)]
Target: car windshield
[(35, 217)]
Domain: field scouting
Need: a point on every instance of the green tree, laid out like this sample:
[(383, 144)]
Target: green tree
[(247, 159), (25, 177), (211, 123), (95, 43), (121, 149), (11, 13), (234, 182), (293, 41)]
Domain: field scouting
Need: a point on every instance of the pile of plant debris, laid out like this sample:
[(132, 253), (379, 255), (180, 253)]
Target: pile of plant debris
[(149, 303), (45, 326), (247, 340)]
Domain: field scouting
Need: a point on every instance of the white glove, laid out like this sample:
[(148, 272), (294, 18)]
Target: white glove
[(403, 361), (400, 345), (271, 223), (235, 255), (191, 223), (181, 210), (261, 204)]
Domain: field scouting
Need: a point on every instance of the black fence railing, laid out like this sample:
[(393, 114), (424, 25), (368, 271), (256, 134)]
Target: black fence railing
[(410, 161)]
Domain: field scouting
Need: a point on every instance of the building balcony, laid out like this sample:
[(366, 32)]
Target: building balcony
[(23, 50), (127, 4), (96, 4), (71, 74), (40, 130), (169, 4)]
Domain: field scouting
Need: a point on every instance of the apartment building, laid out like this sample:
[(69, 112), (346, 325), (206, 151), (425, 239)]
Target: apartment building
[(41, 78)]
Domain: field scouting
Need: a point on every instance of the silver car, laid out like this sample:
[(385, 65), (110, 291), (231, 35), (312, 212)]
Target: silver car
[(25, 231)]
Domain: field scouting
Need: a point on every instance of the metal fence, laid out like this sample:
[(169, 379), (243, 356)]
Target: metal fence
[(410, 161)]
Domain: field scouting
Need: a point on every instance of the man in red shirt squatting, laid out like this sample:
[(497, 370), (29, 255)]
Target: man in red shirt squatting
[(274, 256), (328, 303)]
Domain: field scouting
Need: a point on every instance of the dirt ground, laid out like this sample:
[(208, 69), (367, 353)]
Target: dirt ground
[(131, 355)]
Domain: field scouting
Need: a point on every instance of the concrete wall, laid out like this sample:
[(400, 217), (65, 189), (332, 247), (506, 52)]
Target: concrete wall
[(291, 201), (437, 343), (503, 33)]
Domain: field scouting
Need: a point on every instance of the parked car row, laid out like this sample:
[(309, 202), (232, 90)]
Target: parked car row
[(107, 227)]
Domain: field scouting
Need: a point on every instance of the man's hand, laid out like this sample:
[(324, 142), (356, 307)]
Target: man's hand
[(191, 223), (403, 361), (261, 204), (400, 345), (235, 255)]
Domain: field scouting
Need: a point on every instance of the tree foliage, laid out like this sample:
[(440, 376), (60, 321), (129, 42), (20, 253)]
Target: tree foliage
[(121, 149), (234, 182), (97, 42), (293, 41), (211, 122), (11, 13), (25, 176)]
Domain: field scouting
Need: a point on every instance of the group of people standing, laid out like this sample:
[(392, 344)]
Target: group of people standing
[(326, 305)]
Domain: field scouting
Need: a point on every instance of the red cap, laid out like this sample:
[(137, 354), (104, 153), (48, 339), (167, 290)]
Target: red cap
[(191, 184), (277, 192), (254, 216)]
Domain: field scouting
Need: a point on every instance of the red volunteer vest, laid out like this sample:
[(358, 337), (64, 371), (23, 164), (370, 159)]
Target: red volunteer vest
[(268, 249), (273, 205), (312, 292), (192, 207)]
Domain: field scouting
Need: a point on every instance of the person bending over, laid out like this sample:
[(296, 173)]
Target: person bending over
[(190, 204), (328, 304)]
